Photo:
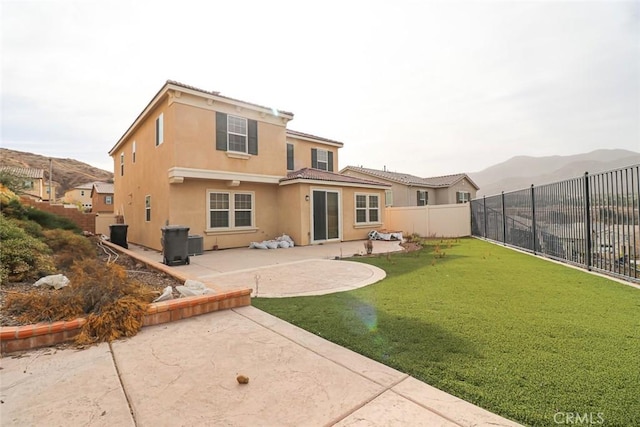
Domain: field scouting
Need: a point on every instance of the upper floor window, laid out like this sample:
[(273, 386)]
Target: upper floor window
[(463, 196), (388, 197), (133, 152), (160, 129), (367, 208), (423, 198), (121, 164), (230, 210), (236, 134), (237, 131), (322, 159), (28, 184), (108, 200), (290, 166)]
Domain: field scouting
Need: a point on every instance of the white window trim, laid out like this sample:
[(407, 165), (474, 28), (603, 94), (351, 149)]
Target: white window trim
[(426, 197), (232, 227), (388, 198), (325, 162), (147, 208), (367, 209), (465, 199), (245, 135), (159, 129), (108, 200)]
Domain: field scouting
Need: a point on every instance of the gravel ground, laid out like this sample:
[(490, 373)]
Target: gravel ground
[(135, 270)]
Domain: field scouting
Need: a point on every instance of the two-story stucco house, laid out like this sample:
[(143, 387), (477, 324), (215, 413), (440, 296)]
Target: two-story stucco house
[(411, 190), (80, 195), (232, 172)]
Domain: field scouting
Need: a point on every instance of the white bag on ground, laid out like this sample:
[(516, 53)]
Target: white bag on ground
[(56, 281)]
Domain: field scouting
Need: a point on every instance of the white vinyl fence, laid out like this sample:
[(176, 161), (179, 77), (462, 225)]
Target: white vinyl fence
[(430, 221)]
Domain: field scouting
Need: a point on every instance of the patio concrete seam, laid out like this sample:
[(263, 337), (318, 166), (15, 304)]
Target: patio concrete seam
[(124, 390), (366, 401), (422, 405), (322, 355)]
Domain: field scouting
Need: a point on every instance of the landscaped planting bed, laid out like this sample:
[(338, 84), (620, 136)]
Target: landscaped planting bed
[(531, 340)]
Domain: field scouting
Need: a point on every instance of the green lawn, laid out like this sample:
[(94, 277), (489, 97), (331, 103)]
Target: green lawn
[(517, 335)]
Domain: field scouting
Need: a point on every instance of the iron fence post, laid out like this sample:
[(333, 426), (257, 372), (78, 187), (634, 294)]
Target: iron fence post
[(533, 220), (587, 207), (484, 207), (504, 222)]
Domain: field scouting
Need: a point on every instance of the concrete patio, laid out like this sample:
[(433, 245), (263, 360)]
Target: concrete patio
[(184, 372)]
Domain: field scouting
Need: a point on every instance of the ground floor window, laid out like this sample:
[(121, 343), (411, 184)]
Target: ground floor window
[(367, 208), (147, 208), (230, 209)]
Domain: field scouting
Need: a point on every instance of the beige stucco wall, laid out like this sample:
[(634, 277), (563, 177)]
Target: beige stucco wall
[(452, 220), (302, 153), (82, 196)]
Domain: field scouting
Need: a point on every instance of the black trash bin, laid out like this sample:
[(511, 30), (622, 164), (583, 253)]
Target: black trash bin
[(118, 234), (175, 239)]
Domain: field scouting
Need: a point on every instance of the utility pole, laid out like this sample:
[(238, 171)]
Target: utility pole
[(50, 177)]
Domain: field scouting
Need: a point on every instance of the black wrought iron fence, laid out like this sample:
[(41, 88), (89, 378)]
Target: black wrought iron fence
[(592, 221)]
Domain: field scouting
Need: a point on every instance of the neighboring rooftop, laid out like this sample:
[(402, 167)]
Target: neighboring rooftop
[(23, 172), (320, 175), (103, 187), (408, 179)]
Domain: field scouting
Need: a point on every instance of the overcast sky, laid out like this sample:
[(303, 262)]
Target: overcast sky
[(428, 88)]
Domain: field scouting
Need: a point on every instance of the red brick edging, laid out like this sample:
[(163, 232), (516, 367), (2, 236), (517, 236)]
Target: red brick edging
[(19, 338)]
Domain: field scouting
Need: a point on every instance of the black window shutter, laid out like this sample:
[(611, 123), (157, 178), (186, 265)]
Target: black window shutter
[(330, 160), (290, 157), (221, 131), (418, 202), (253, 136), (314, 158)]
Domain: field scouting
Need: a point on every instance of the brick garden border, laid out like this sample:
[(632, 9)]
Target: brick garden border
[(19, 338)]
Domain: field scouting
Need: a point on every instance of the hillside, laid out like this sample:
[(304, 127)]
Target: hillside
[(67, 173), (522, 171)]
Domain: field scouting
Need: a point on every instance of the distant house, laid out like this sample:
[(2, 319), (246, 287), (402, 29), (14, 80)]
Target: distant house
[(80, 195), (411, 190), (32, 182), (102, 197)]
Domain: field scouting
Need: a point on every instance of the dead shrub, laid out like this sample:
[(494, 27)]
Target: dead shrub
[(113, 304)]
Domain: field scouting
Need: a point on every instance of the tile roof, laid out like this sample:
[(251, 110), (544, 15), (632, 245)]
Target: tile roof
[(408, 179), (85, 186), (294, 134), (23, 172), (403, 178), (320, 175), (214, 93), (103, 187)]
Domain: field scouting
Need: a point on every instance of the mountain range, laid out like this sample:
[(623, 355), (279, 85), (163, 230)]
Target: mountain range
[(522, 171), (66, 173)]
